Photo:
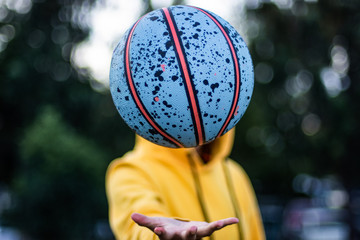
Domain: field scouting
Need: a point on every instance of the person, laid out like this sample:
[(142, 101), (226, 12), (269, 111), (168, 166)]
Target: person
[(156, 192)]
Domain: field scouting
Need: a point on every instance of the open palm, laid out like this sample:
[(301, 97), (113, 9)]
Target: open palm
[(172, 229)]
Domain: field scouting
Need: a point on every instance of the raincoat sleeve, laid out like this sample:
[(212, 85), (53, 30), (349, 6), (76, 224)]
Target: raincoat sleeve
[(129, 190)]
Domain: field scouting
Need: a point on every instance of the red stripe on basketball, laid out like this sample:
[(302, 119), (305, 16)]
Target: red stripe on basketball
[(186, 75), (136, 97), (237, 72)]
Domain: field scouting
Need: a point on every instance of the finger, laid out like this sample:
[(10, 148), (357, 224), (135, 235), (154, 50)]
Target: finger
[(159, 231), (190, 233), (145, 221), (229, 221), (139, 219), (216, 225)]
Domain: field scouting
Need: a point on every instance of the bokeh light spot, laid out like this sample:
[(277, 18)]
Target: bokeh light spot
[(61, 71), (3, 12), (60, 35), (36, 38), (264, 73), (19, 6), (331, 81), (285, 121), (298, 85), (300, 104), (7, 33), (265, 48), (311, 124)]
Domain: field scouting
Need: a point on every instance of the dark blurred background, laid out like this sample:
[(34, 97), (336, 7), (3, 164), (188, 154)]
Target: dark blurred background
[(298, 141)]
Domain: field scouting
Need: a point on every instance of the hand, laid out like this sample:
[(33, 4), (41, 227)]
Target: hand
[(171, 229)]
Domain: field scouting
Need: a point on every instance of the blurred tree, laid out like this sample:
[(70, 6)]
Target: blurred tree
[(58, 178), (35, 70), (304, 116), (59, 189)]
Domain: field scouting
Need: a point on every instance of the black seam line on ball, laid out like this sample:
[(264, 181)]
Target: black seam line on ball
[(135, 95), (186, 76), (236, 65)]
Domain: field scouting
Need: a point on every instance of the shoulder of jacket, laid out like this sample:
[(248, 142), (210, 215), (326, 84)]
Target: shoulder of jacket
[(130, 159), (127, 168), (236, 169)]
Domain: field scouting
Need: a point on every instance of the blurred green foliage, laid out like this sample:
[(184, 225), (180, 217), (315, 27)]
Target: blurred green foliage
[(54, 172), (60, 184), (304, 116), (36, 71)]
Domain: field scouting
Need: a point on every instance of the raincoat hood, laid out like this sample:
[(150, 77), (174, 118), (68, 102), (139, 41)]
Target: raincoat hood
[(220, 148)]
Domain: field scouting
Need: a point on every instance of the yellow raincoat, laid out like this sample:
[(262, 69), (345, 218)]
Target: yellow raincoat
[(159, 181)]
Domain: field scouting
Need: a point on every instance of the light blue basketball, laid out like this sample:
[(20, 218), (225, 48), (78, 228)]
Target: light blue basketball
[(181, 77)]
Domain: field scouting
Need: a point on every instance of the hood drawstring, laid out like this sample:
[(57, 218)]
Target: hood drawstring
[(233, 197), (231, 190), (199, 191)]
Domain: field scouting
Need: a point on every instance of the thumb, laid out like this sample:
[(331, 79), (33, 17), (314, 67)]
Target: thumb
[(140, 219)]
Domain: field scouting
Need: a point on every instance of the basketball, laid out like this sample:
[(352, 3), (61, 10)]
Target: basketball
[(181, 77)]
